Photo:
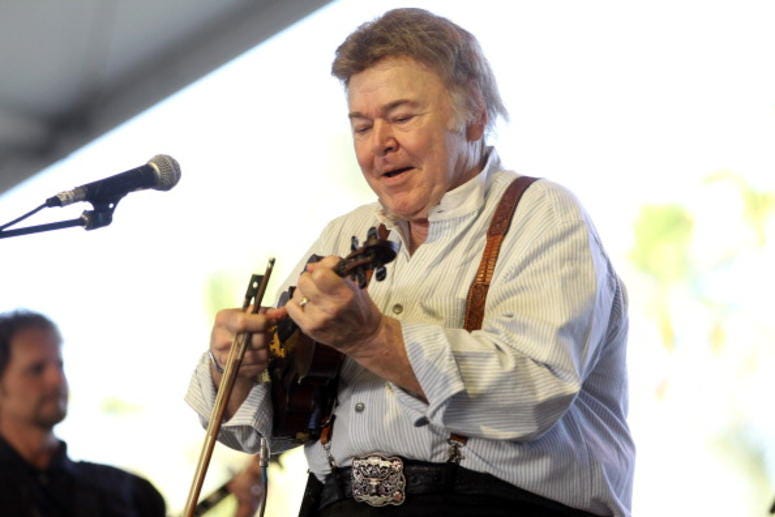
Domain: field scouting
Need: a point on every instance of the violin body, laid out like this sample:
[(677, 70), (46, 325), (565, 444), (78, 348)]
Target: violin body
[(304, 385), (304, 374)]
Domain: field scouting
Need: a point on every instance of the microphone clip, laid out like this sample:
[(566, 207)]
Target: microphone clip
[(102, 215)]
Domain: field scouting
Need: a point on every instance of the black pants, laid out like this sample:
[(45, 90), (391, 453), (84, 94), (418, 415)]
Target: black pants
[(474, 495), (439, 505)]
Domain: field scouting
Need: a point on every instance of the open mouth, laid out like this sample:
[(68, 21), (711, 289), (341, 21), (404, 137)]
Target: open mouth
[(396, 172)]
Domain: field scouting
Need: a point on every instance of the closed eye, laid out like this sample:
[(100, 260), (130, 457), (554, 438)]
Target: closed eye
[(403, 118)]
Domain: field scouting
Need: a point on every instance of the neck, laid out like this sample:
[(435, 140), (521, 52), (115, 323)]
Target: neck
[(418, 228), (418, 232), (37, 446)]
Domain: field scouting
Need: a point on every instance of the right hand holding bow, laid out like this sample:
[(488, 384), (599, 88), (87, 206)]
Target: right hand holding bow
[(231, 322)]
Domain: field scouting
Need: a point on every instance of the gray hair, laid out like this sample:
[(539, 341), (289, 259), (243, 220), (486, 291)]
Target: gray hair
[(447, 49)]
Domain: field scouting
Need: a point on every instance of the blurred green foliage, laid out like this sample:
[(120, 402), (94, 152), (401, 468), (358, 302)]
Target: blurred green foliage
[(705, 286), (662, 237)]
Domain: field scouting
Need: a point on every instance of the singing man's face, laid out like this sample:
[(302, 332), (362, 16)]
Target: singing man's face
[(33, 387), (409, 142)]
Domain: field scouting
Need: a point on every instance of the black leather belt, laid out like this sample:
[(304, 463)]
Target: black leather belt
[(429, 478), (421, 478)]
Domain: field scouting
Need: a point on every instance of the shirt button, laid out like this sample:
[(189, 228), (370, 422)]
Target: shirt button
[(359, 407), (398, 308)]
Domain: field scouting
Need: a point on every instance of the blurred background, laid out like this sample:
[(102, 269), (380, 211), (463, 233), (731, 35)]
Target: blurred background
[(659, 115)]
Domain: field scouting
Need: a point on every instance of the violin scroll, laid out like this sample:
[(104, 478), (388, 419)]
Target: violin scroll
[(372, 256)]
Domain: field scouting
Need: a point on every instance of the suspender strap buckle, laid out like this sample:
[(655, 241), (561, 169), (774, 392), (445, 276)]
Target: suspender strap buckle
[(456, 443)]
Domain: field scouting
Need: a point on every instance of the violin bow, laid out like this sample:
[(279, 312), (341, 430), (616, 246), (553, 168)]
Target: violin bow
[(252, 303)]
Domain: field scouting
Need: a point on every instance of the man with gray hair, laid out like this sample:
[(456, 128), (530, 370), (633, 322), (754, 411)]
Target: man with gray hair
[(486, 375)]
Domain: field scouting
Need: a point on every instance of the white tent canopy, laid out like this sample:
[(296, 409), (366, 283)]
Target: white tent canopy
[(70, 71)]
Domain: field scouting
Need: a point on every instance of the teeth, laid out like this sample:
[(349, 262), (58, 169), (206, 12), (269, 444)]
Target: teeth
[(395, 172)]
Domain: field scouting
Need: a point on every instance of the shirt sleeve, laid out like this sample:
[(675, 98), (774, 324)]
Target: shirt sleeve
[(244, 429)]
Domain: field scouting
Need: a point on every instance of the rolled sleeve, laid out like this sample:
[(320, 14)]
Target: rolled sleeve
[(435, 367), (251, 421)]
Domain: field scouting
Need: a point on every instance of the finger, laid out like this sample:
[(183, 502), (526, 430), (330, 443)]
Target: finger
[(255, 358), (259, 341), (307, 287), (304, 293), (329, 262), (238, 321), (220, 338), (326, 278), (322, 271)]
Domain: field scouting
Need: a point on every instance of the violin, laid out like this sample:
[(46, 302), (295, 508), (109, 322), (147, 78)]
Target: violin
[(304, 374)]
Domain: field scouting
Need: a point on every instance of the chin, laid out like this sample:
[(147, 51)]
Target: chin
[(52, 417), (404, 213)]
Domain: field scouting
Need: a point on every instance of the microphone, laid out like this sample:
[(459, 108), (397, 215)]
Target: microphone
[(162, 172)]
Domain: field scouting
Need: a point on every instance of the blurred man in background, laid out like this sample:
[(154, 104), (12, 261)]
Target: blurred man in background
[(37, 478)]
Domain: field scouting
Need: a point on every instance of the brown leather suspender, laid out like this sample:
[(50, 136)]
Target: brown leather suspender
[(477, 293), (499, 225)]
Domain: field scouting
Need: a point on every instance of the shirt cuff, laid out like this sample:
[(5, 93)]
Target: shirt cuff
[(436, 370), (252, 420)]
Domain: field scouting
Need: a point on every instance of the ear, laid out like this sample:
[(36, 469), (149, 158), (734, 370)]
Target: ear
[(478, 119), (475, 127)]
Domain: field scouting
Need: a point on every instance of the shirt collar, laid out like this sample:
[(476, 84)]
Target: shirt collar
[(59, 460)]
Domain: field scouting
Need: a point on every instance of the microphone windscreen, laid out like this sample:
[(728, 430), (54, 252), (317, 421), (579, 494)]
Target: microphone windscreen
[(167, 171)]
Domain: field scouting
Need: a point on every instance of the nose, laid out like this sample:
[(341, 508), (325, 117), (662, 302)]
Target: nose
[(55, 375), (384, 141)]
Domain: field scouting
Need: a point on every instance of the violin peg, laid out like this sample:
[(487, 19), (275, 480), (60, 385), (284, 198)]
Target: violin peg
[(360, 276), (372, 233), (380, 273), (354, 243)]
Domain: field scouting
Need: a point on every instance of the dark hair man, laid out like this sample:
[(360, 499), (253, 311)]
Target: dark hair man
[(37, 479)]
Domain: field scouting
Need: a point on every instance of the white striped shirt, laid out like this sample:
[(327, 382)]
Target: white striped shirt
[(540, 390)]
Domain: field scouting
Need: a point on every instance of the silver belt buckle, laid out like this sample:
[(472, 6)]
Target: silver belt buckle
[(378, 480)]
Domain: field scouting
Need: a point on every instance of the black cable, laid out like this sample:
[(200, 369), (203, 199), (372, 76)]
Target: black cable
[(25, 216)]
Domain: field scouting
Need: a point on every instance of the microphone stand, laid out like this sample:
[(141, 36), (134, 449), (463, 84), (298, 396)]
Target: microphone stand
[(102, 215)]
